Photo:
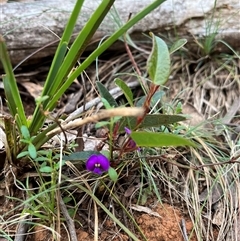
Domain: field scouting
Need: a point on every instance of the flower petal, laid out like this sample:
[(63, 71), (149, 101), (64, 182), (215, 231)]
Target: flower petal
[(128, 131), (132, 144), (104, 162), (97, 170), (97, 163), (92, 160)]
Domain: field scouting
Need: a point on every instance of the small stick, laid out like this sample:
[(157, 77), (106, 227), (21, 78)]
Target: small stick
[(116, 92), (69, 221), (121, 111), (184, 230), (21, 232)]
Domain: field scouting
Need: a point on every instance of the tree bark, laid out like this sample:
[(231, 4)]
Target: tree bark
[(31, 25)]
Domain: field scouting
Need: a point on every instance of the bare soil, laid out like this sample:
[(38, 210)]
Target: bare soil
[(168, 226)]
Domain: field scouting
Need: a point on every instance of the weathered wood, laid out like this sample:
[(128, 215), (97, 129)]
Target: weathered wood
[(29, 26)]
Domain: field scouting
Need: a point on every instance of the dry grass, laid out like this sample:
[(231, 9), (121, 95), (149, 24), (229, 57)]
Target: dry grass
[(195, 179), (190, 179)]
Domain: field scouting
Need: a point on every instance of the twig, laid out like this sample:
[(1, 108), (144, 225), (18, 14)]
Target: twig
[(232, 160), (95, 221), (69, 221), (116, 92), (184, 230), (22, 228), (121, 111), (133, 60)]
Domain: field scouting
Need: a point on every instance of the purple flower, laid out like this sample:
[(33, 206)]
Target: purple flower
[(128, 131), (131, 143), (97, 163)]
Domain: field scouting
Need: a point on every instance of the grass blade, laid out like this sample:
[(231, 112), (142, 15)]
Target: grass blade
[(48, 90), (105, 45), (11, 88), (64, 64)]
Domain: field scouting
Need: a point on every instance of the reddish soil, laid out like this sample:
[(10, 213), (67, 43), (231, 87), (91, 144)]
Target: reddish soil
[(163, 228)]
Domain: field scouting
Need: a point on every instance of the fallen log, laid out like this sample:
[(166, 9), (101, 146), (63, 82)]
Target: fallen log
[(32, 25)]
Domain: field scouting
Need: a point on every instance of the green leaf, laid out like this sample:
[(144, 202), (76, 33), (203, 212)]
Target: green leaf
[(41, 159), (153, 139), (101, 124), (57, 165), (25, 132), (62, 49), (50, 85), (67, 199), (178, 108), (32, 151), (106, 104), (177, 45), (46, 169), (126, 90), (78, 46), (49, 89), (150, 121), (113, 174), (106, 153), (22, 154), (106, 95), (80, 156), (158, 64), (25, 141)]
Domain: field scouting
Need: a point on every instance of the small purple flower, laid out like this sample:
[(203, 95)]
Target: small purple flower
[(131, 143), (128, 131), (97, 163)]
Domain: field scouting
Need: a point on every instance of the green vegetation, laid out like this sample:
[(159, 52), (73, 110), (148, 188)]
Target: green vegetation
[(146, 140)]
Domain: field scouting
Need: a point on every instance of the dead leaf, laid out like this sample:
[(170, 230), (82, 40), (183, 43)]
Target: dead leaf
[(33, 89), (219, 214), (214, 193), (129, 191), (194, 118), (145, 210)]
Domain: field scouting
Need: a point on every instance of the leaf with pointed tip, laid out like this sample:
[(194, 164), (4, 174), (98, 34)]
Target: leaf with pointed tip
[(25, 132), (46, 169), (158, 64), (177, 45), (79, 156), (126, 90), (32, 151), (106, 95), (155, 139), (150, 121)]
